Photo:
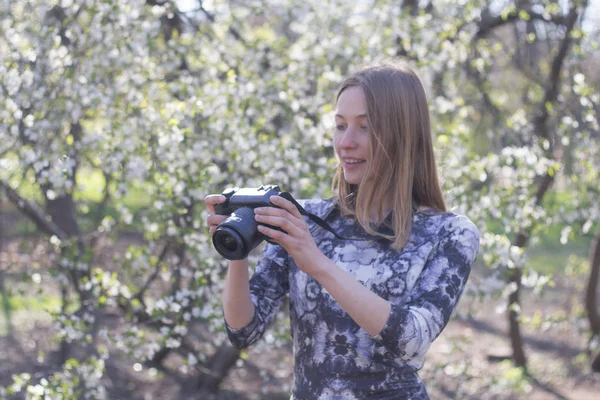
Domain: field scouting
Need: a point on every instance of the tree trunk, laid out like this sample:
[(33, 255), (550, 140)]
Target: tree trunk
[(514, 301), (412, 6), (160, 356), (591, 303), (64, 214), (514, 310), (596, 363), (217, 367)]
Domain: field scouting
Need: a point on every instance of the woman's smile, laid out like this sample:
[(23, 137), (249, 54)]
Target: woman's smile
[(350, 163)]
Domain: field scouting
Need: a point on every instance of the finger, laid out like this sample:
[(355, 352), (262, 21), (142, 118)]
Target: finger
[(274, 234), (280, 222), (280, 212), (215, 219), (286, 205), (212, 230), (213, 199)]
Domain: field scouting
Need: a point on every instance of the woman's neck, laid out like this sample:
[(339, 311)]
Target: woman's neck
[(386, 210)]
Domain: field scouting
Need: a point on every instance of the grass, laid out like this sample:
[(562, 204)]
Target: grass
[(34, 303), (551, 256), (23, 307), (91, 185), (554, 260)]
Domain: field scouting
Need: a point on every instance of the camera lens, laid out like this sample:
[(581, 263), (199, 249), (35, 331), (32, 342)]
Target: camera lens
[(237, 235), (228, 243)]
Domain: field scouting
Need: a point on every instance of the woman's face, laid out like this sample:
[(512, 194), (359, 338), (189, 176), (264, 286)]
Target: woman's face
[(351, 134)]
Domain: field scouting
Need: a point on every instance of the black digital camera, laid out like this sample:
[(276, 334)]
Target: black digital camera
[(238, 235)]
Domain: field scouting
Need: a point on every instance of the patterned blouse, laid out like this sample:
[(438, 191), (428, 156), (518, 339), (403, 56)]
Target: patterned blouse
[(334, 357)]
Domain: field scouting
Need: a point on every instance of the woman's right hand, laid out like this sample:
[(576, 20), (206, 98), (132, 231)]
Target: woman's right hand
[(213, 220)]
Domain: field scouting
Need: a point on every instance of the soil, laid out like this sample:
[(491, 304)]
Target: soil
[(465, 362)]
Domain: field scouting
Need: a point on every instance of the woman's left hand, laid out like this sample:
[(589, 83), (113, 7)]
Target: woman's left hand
[(296, 239)]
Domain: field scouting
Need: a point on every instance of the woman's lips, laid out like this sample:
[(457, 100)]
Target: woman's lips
[(351, 163)]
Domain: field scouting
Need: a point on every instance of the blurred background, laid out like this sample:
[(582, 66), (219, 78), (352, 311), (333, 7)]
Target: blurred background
[(118, 117)]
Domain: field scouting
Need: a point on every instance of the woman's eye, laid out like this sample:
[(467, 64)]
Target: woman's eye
[(340, 127), (364, 128)]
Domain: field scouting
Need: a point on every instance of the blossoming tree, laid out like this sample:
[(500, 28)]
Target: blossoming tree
[(171, 106)]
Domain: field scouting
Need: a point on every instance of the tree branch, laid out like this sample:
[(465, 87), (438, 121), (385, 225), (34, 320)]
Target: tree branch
[(551, 93), (32, 212), (488, 22), (140, 294)]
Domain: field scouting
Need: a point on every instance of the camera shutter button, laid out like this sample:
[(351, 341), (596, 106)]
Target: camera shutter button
[(228, 192)]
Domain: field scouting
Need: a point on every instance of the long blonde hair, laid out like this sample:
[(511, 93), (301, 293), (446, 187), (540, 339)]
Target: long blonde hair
[(402, 159)]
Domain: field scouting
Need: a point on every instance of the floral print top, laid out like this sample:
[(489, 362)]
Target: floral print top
[(334, 357)]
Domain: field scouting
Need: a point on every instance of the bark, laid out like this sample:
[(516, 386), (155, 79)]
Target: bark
[(33, 213), (514, 309), (596, 363), (591, 303), (412, 6), (160, 356), (490, 22), (216, 368), (63, 213)]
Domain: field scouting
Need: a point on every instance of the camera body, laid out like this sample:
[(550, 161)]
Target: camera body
[(238, 235), (246, 197)]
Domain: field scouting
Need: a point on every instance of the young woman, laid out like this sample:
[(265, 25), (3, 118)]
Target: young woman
[(363, 313)]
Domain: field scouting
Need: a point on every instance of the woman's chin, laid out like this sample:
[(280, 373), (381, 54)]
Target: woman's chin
[(352, 178)]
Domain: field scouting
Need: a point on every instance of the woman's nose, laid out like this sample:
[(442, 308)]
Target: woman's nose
[(348, 139)]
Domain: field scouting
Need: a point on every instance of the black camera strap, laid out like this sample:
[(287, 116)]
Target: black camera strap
[(317, 220)]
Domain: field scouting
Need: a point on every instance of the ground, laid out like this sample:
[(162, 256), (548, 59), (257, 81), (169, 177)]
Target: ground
[(464, 363)]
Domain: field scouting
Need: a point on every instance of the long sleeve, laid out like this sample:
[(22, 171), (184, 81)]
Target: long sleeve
[(413, 325), (268, 287)]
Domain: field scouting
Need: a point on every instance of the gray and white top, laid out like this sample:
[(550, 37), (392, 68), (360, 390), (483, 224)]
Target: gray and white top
[(334, 357)]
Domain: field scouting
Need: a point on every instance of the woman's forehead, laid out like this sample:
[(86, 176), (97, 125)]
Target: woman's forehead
[(352, 103)]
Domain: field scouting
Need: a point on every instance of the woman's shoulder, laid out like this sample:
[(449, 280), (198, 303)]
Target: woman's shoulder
[(449, 223), (460, 233), (319, 207)]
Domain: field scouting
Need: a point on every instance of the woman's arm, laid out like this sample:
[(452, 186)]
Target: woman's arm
[(414, 324), (249, 306), (237, 303), (367, 309), (408, 328), (258, 300)]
